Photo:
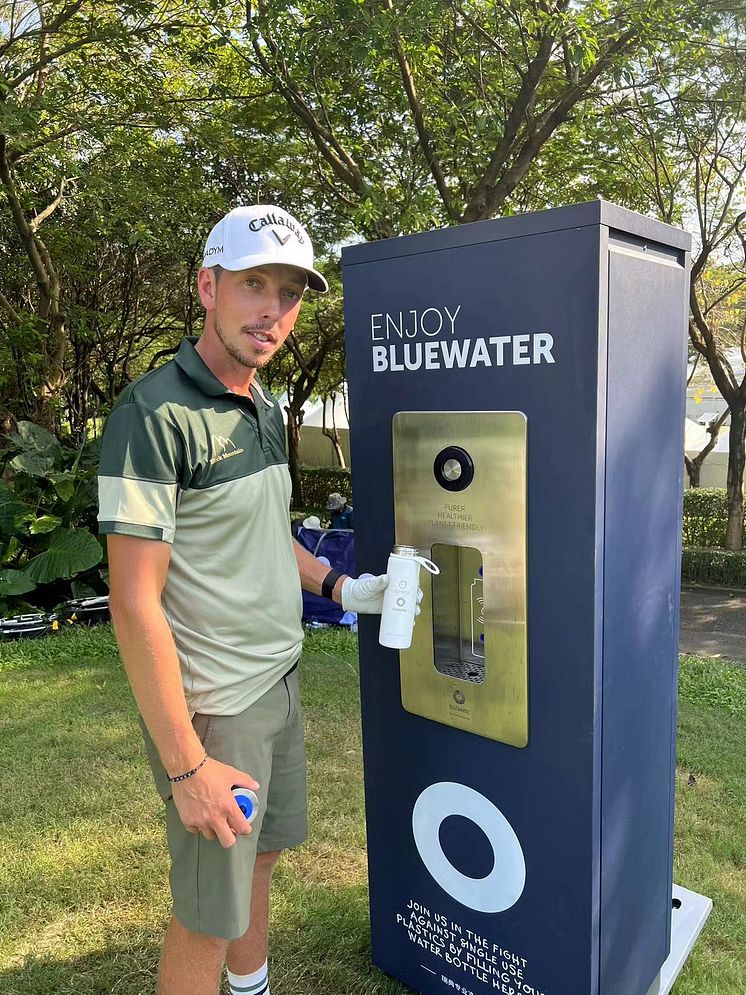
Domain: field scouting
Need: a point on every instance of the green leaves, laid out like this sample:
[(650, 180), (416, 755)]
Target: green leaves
[(47, 510), (64, 485), (47, 523), (35, 463), (14, 583), (440, 107), (33, 438), (70, 552), (40, 451), (13, 513)]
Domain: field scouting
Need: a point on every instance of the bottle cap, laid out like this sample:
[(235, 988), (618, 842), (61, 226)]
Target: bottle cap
[(247, 801)]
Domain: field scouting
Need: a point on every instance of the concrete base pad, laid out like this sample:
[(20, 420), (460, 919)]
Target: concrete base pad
[(690, 912)]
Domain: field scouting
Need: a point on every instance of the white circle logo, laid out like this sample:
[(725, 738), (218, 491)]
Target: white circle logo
[(503, 886)]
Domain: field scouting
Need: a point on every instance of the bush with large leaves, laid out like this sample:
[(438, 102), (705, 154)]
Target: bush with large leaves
[(48, 499)]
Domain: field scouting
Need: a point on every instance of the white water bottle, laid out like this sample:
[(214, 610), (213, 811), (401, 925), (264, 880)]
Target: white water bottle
[(400, 596)]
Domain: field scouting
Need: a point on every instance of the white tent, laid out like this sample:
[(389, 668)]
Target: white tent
[(308, 407), (696, 436), (723, 443), (337, 416)]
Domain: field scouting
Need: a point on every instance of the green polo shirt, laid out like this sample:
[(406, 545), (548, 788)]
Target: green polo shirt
[(186, 461)]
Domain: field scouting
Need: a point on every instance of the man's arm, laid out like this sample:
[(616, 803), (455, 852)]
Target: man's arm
[(313, 571), (363, 595), (137, 574), (137, 571)]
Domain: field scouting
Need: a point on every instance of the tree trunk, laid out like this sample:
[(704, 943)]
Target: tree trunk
[(78, 387), (44, 412), (49, 311), (332, 433), (295, 420), (736, 460), (694, 466)]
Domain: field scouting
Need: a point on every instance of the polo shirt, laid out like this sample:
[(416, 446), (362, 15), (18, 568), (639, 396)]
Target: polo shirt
[(186, 461), (341, 519)]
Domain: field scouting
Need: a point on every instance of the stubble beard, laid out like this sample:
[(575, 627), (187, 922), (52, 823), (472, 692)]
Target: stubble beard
[(235, 353)]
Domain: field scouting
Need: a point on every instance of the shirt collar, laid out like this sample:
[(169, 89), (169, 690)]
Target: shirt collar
[(255, 383), (197, 370)]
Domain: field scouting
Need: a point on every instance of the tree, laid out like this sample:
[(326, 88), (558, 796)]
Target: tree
[(128, 248), (329, 400), (432, 111), (684, 156), (443, 111), (70, 71), (298, 368)]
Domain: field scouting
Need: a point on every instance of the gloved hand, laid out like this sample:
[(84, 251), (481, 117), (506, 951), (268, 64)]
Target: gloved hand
[(364, 594)]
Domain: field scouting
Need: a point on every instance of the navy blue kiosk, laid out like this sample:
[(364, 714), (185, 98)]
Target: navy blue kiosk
[(517, 412)]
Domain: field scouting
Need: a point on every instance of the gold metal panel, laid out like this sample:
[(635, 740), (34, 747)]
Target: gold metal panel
[(482, 525)]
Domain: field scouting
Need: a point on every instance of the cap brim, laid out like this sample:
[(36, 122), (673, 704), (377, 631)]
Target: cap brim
[(315, 279)]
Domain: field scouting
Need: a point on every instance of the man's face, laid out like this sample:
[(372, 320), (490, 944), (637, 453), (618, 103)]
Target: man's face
[(253, 310)]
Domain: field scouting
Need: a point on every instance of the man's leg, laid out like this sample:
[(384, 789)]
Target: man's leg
[(248, 953), (191, 963), (284, 825)]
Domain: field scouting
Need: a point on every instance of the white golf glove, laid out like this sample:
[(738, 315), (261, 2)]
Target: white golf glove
[(364, 594)]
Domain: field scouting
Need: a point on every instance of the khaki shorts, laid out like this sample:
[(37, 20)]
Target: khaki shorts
[(210, 885)]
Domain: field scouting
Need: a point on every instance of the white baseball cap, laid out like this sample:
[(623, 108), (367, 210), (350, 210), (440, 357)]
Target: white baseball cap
[(258, 235)]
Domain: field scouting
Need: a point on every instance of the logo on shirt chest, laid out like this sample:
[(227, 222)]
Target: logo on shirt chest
[(222, 448)]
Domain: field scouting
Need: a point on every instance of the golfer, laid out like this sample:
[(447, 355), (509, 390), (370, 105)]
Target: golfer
[(205, 597)]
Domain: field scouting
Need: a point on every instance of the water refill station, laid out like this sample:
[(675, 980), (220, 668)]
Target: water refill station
[(517, 414)]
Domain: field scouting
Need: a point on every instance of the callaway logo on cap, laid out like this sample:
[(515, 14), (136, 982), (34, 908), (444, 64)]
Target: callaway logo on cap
[(258, 235)]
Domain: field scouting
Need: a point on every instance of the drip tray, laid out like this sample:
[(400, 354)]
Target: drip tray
[(471, 672)]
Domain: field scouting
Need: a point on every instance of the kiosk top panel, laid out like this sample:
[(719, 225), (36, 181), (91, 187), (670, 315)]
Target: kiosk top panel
[(593, 212)]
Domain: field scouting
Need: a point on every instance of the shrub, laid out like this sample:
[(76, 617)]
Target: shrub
[(321, 481), (705, 516), (48, 498), (723, 567)]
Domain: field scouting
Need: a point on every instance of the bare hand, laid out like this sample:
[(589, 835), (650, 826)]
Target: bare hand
[(206, 805)]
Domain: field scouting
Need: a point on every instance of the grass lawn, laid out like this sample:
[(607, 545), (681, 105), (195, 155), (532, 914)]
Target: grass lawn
[(83, 893)]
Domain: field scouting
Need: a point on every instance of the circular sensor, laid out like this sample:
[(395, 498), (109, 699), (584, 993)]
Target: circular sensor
[(453, 468)]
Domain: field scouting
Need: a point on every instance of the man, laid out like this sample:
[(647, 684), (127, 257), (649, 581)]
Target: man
[(341, 512), (205, 597)]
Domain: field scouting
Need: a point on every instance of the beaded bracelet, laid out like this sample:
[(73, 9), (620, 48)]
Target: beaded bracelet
[(189, 773)]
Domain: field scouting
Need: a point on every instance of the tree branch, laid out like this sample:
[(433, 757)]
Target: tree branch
[(721, 370), (162, 355), (475, 209), (9, 308), (24, 229), (20, 153), (51, 208), (552, 118), (426, 140), (53, 56)]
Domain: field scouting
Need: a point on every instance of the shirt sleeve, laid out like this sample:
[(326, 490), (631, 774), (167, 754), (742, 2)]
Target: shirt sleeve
[(142, 464)]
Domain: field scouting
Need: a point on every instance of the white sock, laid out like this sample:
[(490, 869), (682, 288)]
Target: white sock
[(250, 984)]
